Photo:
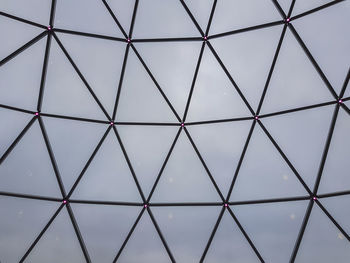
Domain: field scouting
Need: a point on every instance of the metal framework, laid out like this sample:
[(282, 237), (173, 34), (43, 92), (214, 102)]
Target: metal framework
[(49, 32)]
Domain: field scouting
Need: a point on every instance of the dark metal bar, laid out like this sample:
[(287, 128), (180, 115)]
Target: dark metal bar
[(301, 231), (16, 109), (49, 115), (98, 202), (219, 121), (161, 235), (88, 162), (271, 69), (41, 234), (345, 84), (192, 17), (210, 18), (240, 161), (52, 157), (163, 165), (22, 20), (188, 204), (27, 196), (272, 200), (167, 39), (85, 34), (316, 9), (22, 48), (120, 81), (291, 8), (133, 18), (193, 82), (77, 232), (52, 13), (81, 76), (326, 148), (333, 194), (129, 235), (212, 235), (204, 165), (115, 18), (245, 234), (18, 138), (279, 9)]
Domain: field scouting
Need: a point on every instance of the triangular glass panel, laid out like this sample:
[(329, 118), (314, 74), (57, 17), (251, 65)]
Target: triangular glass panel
[(322, 241), (147, 148), (303, 6), (100, 61), (214, 96), (330, 47), (201, 11), (144, 244), (294, 82), (232, 15), (186, 229), (338, 208), (123, 11), (249, 54), (34, 10), (105, 232), (302, 137), (72, 143), (335, 176), (108, 176), (59, 243), (162, 19), (20, 223), (221, 146), (264, 174), (28, 169), (12, 124), (229, 244), (20, 77), (65, 93), (184, 178), (90, 16), (140, 100), (273, 228), (168, 61), (15, 34)]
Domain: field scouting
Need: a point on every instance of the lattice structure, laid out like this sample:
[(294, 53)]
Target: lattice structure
[(174, 131)]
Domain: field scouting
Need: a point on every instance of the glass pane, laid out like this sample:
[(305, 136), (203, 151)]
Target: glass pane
[(249, 54), (89, 16), (34, 10), (295, 82), (147, 148), (335, 175), (14, 34), (123, 10), (108, 176), (28, 169), (12, 123), (221, 146), (264, 174), (322, 241), (20, 77), (168, 61), (234, 14), (65, 93), (160, 18), (186, 229), (100, 62), (214, 96), (229, 244), (303, 6), (140, 100), (20, 223), (329, 48), (201, 11), (184, 178), (273, 228), (285, 4), (104, 228), (144, 244), (302, 137), (338, 208), (59, 243), (72, 143)]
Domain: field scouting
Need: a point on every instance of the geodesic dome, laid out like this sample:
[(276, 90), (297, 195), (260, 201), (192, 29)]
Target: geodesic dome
[(174, 131)]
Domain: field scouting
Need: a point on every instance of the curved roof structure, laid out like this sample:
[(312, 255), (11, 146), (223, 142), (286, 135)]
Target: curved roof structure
[(174, 131)]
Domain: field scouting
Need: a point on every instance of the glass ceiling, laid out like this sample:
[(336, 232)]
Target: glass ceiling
[(174, 131)]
